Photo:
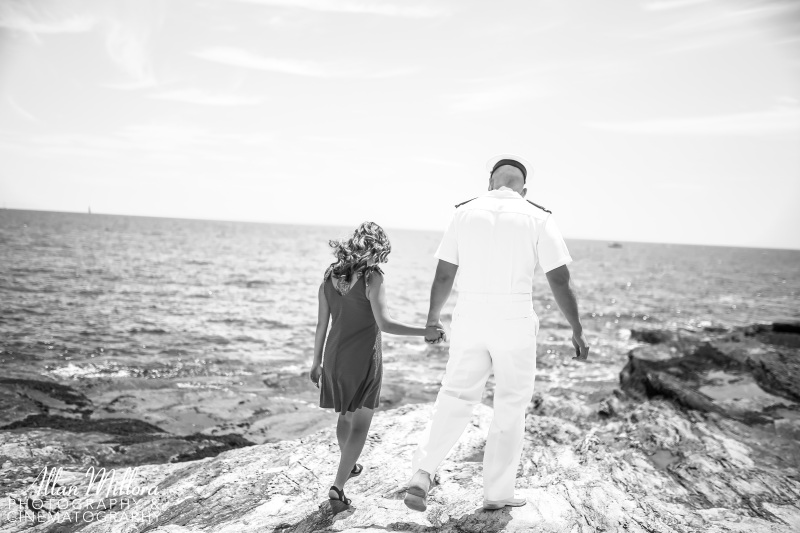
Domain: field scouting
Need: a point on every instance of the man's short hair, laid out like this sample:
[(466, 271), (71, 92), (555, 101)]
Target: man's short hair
[(508, 160)]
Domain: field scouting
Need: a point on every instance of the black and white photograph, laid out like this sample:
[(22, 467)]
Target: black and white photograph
[(459, 266)]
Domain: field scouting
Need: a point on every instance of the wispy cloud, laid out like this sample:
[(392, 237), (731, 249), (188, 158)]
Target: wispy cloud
[(73, 24), (713, 23), (163, 136), (165, 142), (781, 121), (242, 58), (726, 18), (19, 110), (360, 7), (32, 19), (491, 98), (200, 97), (130, 44), (128, 48), (666, 5), (245, 59)]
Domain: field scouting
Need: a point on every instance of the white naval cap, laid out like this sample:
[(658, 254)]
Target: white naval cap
[(508, 159)]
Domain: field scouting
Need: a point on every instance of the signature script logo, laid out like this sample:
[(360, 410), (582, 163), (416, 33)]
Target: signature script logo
[(100, 495)]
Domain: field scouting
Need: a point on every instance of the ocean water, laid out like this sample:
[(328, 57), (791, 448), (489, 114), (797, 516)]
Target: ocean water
[(121, 295), (121, 300)]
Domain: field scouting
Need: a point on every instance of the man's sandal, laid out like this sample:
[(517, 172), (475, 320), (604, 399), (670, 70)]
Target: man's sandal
[(356, 471), (341, 497)]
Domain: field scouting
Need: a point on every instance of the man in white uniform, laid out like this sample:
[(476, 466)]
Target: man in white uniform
[(495, 242)]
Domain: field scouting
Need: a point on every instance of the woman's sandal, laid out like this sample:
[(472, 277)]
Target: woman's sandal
[(342, 498), (356, 471)]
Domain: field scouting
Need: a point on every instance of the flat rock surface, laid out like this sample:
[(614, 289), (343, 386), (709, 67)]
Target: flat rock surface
[(614, 466)]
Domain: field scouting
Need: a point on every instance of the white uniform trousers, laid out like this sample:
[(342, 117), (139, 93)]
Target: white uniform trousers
[(488, 332)]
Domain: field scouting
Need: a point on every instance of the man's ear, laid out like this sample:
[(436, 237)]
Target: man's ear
[(524, 192)]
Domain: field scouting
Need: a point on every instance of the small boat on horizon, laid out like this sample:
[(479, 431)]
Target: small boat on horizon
[(614, 245)]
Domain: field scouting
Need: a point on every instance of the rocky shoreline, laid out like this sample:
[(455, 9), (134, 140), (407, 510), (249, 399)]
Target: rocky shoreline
[(749, 374), (700, 434)]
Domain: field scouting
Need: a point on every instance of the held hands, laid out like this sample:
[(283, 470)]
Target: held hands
[(315, 374), (581, 346), (434, 334)]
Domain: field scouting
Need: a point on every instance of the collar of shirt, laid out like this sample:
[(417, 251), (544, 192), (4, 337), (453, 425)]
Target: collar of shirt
[(503, 192)]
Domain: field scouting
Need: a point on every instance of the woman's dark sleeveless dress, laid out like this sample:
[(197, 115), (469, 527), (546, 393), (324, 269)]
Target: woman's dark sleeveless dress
[(352, 366)]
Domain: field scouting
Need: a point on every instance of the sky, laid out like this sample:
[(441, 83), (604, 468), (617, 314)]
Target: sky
[(652, 120)]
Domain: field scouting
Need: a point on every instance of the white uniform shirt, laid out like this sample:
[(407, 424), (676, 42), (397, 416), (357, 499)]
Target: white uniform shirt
[(498, 241)]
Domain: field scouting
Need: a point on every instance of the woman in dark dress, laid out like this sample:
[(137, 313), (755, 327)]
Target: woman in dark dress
[(349, 376)]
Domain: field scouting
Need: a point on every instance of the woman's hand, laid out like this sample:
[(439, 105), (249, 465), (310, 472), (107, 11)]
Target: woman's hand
[(435, 334), (315, 374)]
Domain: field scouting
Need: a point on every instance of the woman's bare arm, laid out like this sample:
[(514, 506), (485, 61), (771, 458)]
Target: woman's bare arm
[(323, 317), (376, 292)]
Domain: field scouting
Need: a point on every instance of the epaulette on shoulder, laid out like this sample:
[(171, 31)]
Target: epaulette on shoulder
[(540, 207), (462, 203)]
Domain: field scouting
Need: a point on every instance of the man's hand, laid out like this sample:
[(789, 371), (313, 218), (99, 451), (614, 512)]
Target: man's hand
[(435, 334), (315, 374), (581, 346), (440, 292), (559, 280)]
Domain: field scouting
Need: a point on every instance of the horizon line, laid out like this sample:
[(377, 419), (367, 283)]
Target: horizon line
[(431, 230)]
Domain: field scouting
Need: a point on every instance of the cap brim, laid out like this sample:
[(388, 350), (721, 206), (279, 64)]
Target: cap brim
[(493, 161)]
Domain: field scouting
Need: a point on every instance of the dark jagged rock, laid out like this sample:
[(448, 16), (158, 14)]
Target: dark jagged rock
[(30, 444), (786, 327), (776, 371), (210, 446), (778, 333), (735, 374), (57, 391), (651, 379), (609, 407), (111, 426), (21, 397), (652, 336), (39, 414)]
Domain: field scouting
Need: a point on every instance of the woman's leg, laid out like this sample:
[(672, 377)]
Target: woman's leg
[(343, 429), (359, 428)]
